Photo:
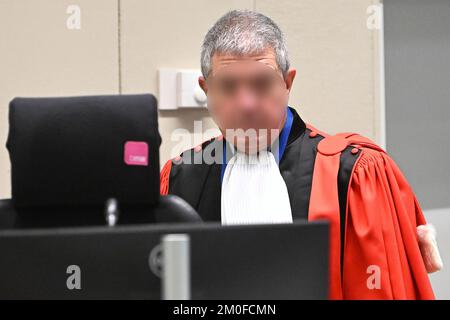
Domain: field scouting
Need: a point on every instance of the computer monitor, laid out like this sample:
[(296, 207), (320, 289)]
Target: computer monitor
[(283, 261)]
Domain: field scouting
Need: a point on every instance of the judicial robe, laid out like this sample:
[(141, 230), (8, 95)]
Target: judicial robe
[(347, 180)]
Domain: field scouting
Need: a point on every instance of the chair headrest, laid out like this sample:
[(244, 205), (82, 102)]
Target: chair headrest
[(84, 150)]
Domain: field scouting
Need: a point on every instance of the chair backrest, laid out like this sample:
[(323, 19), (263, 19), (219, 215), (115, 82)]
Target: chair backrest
[(70, 155), (84, 150)]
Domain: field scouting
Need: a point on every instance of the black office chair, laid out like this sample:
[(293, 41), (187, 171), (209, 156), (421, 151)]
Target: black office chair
[(86, 161)]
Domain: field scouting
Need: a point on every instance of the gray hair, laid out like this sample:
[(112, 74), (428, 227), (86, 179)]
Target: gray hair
[(242, 33)]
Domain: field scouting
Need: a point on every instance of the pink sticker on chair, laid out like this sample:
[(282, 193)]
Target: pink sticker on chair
[(136, 153)]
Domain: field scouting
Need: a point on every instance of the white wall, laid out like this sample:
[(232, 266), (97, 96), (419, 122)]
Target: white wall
[(334, 52)]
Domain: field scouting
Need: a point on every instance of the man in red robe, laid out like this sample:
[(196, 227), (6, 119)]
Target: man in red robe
[(271, 167)]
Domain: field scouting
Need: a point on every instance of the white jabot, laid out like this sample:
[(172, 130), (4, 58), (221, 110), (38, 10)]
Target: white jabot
[(253, 191)]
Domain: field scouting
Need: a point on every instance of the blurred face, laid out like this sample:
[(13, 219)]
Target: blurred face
[(247, 98)]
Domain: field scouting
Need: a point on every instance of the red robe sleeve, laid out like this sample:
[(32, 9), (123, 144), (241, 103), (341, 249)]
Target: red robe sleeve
[(382, 258), (164, 178)]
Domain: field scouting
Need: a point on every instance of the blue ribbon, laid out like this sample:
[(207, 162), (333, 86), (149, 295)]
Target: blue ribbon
[(283, 139)]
